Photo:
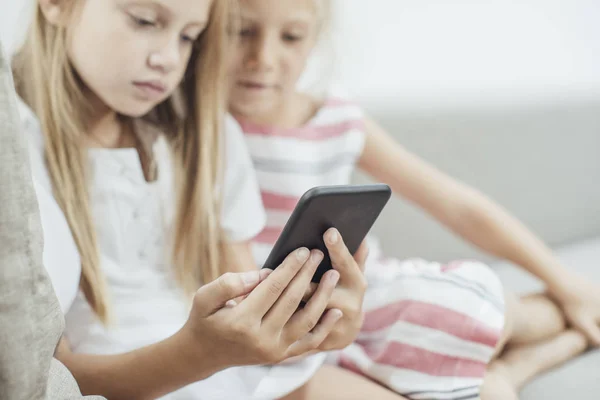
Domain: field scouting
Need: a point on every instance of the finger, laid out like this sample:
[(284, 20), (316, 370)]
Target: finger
[(590, 328), (309, 292), (264, 274), (306, 319), (290, 300), (361, 256), (213, 296), (341, 259), (313, 339), (260, 301)]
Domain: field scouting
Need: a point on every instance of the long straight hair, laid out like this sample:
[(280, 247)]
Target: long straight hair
[(48, 83)]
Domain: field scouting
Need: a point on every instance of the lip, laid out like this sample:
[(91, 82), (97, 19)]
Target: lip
[(250, 85), (151, 88)]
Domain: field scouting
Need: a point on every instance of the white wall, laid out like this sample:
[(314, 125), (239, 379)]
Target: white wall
[(11, 14), (415, 53), (419, 52)]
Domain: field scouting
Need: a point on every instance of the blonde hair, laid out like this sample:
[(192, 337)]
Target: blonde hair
[(48, 83), (324, 14), (321, 67)]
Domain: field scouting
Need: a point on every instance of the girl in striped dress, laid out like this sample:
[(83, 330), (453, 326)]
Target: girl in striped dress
[(431, 331)]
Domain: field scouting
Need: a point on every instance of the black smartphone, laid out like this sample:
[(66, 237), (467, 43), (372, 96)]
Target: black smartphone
[(351, 209)]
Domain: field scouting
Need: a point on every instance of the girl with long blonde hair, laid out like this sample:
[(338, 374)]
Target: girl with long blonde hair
[(124, 108)]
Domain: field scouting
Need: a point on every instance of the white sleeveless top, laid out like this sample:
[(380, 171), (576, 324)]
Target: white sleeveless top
[(133, 219)]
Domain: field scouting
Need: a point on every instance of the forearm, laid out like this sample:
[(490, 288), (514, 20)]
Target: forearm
[(461, 208), (146, 373), (494, 230)]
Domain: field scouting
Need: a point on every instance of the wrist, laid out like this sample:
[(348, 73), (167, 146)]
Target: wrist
[(563, 282), (194, 356)]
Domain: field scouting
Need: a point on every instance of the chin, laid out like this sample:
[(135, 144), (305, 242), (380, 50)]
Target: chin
[(253, 109), (135, 109)]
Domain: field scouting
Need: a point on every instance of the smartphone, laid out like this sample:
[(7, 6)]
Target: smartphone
[(351, 209)]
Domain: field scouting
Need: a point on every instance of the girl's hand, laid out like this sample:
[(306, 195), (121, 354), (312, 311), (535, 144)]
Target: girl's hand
[(349, 294), (580, 300), (267, 327)]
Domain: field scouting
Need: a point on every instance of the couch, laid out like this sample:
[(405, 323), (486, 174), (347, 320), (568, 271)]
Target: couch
[(540, 160)]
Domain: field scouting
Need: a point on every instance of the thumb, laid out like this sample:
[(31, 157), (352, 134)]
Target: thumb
[(213, 296), (590, 328)]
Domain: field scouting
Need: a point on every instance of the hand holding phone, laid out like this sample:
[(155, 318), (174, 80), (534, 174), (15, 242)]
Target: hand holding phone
[(351, 209)]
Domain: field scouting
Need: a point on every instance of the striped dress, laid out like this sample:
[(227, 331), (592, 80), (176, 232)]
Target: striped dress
[(430, 329)]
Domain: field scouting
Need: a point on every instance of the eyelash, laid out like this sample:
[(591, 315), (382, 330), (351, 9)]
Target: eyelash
[(286, 37), (291, 38), (145, 23), (246, 32)]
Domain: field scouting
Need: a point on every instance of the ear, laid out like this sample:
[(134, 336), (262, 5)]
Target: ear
[(54, 11)]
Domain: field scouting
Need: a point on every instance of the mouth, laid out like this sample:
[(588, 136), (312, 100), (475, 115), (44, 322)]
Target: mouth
[(254, 86), (151, 89)]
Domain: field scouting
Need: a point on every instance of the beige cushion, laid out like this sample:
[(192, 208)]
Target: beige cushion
[(31, 321)]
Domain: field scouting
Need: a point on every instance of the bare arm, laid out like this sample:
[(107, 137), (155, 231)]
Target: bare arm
[(146, 373), (461, 208), (266, 328), (153, 371)]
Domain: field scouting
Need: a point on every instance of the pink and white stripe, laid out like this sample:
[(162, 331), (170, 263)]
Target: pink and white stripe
[(430, 329)]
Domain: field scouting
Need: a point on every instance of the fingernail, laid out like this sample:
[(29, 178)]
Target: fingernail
[(251, 278), (302, 254), (337, 314), (264, 273), (231, 304), (334, 276), (333, 236), (317, 256)]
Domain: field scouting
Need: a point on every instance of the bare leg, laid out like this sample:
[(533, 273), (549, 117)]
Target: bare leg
[(534, 341), (333, 383), (518, 365), (530, 319), (534, 318)]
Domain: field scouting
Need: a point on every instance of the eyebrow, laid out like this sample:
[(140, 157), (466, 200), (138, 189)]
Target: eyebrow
[(163, 9), (300, 17)]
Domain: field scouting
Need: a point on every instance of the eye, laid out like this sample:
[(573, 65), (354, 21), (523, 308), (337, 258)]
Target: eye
[(246, 32), (188, 39), (292, 38), (143, 22)]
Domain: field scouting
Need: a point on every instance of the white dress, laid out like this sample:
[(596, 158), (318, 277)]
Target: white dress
[(133, 219)]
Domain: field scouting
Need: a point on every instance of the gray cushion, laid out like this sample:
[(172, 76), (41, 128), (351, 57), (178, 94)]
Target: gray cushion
[(62, 385), (579, 378), (31, 321)]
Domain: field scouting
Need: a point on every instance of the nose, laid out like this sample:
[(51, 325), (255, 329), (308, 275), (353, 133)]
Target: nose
[(263, 52), (167, 57)]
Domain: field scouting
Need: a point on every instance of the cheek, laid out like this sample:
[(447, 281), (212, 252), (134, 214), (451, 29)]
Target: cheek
[(104, 54), (295, 65), (182, 68), (236, 61)]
